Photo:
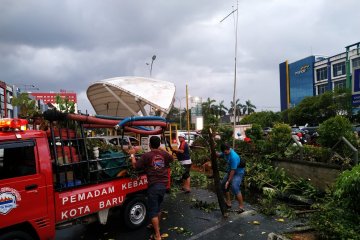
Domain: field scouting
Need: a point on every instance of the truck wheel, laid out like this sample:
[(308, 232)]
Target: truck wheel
[(16, 235), (135, 213)]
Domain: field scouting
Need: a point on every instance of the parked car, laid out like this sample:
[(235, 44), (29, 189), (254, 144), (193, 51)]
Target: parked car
[(267, 130), (118, 140), (310, 130), (189, 138)]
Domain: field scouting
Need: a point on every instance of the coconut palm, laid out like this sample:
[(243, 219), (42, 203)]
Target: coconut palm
[(248, 107), (208, 107), (238, 107), (209, 112), (222, 109)]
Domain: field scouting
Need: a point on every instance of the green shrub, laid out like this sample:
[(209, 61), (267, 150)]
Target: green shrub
[(176, 172), (347, 189), (316, 154), (199, 155), (242, 147), (280, 136), (255, 132), (226, 133), (333, 129), (263, 147), (338, 217), (199, 179)]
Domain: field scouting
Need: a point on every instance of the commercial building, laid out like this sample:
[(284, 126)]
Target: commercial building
[(50, 97), (6, 94), (316, 74)]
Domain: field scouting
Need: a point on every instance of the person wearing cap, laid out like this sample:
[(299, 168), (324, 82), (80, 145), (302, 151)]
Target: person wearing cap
[(233, 178), (183, 155)]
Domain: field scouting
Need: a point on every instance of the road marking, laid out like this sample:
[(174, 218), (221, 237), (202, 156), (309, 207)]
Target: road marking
[(228, 221)]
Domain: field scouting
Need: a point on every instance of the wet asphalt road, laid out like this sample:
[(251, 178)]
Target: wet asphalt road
[(182, 221)]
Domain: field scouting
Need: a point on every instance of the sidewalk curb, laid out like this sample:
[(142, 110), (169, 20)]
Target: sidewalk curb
[(274, 236)]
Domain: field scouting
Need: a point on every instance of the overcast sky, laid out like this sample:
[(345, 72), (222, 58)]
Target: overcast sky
[(69, 44)]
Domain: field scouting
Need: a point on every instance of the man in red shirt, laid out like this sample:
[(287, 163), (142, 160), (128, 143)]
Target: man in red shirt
[(155, 164)]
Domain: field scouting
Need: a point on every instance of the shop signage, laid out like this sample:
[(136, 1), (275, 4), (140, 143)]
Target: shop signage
[(303, 69)]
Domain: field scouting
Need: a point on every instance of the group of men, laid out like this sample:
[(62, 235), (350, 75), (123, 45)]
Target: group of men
[(156, 164)]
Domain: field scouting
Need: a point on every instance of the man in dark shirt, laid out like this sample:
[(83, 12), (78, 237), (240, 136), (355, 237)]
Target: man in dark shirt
[(156, 164), (183, 155)]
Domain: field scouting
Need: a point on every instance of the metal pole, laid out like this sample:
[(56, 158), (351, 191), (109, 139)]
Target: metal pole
[(179, 99), (234, 94), (187, 112), (180, 113), (152, 61)]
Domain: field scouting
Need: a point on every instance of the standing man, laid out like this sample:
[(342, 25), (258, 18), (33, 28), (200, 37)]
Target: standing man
[(156, 164), (183, 155), (233, 178)]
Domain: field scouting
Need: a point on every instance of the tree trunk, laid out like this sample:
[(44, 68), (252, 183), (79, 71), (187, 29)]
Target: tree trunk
[(216, 175)]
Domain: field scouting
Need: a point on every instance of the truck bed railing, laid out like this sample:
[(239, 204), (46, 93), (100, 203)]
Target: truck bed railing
[(74, 164)]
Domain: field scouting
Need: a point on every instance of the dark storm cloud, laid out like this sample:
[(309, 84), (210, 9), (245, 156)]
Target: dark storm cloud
[(69, 44)]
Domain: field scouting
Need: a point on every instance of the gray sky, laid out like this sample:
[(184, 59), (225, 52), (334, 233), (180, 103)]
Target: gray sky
[(71, 43)]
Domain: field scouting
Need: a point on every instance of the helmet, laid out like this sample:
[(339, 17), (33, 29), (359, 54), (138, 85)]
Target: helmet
[(181, 135)]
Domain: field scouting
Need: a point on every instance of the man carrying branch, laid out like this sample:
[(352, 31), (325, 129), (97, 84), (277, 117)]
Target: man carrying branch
[(233, 178)]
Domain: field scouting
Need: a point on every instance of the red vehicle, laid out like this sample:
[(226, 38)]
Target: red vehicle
[(50, 180)]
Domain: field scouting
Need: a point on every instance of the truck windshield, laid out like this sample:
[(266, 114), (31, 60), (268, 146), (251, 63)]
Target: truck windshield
[(17, 159)]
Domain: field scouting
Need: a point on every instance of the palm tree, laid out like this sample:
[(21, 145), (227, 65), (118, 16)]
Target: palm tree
[(207, 107), (215, 110), (209, 111), (249, 107), (222, 108), (238, 108)]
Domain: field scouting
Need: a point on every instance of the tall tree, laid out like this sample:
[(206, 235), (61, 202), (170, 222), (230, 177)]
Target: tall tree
[(315, 110), (249, 107), (209, 112), (208, 106), (27, 106), (222, 109), (238, 107), (263, 118)]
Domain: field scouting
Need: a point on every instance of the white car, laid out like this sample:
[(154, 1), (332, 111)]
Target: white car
[(188, 138), (118, 140)]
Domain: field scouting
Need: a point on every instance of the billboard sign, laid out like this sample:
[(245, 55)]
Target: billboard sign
[(355, 100)]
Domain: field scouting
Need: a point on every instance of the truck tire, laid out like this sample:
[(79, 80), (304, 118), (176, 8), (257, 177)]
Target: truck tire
[(135, 213), (16, 235)]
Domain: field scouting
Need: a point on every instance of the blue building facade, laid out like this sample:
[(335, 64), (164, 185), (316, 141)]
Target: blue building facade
[(301, 78), (296, 82), (313, 76), (284, 102)]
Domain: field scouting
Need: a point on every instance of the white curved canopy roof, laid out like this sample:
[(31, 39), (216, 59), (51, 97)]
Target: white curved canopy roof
[(127, 96)]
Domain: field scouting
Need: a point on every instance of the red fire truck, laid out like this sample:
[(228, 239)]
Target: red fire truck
[(50, 179)]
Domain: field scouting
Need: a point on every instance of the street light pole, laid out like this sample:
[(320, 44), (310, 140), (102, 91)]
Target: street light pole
[(180, 112), (187, 112), (236, 36), (179, 99), (152, 61)]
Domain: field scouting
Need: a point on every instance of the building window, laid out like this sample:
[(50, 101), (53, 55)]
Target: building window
[(321, 89), (339, 69), (340, 84), (321, 74), (356, 62)]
